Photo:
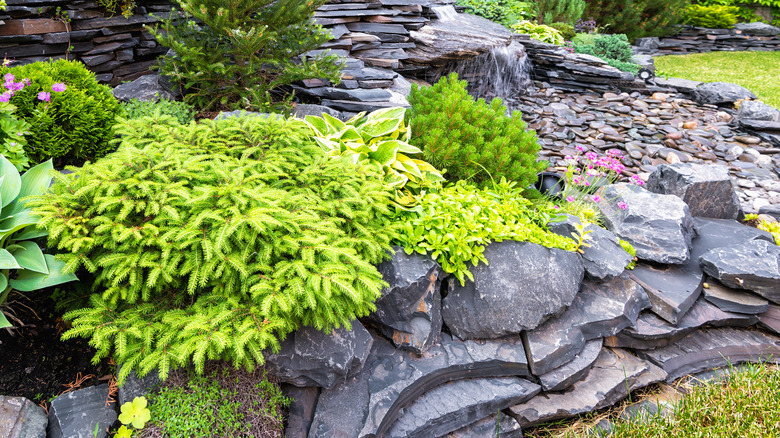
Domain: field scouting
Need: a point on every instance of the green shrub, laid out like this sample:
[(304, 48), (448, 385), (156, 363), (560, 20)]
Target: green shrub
[(472, 140), (566, 30), (607, 47), (211, 240), (506, 12), (582, 39), (715, 17), (76, 125), (135, 109), (637, 18), (12, 137), (223, 403), (539, 32), (238, 54), (456, 223), (551, 11), (124, 7), (624, 66)]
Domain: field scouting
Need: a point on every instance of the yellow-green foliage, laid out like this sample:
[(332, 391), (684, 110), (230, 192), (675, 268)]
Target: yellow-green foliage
[(629, 249), (771, 227), (539, 32), (211, 240)]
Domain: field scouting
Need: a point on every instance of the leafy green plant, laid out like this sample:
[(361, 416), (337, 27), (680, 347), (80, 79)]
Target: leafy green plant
[(211, 240), (772, 228), (379, 139), (637, 18), (12, 140), (566, 30), (551, 11), (471, 139), (135, 413), (455, 224), (506, 12), (716, 17), (239, 54), (71, 126), (607, 47), (23, 266), (135, 109), (125, 7), (539, 32), (627, 247)]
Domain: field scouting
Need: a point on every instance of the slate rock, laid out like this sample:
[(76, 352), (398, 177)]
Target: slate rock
[(732, 300), (713, 348), (598, 310), (300, 413), (681, 85), (672, 288), (717, 233), (310, 357), (301, 110), (145, 88), (706, 188), (77, 413), (604, 258), (660, 227), (648, 44), (650, 331), (21, 418), (135, 386), (757, 110), (613, 375), (757, 28), (521, 285), (486, 428), (771, 319), (342, 409), (753, 265), (565, 375), (409, 310), (718, 93), (467, 36), (458, 404)]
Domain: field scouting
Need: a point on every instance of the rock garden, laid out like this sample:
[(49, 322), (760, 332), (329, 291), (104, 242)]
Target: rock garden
[(312, 219)]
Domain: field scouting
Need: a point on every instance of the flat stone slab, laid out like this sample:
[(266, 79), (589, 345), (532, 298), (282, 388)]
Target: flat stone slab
[(706, 188), (753, 265), (713, 348), (660, 227), (521, 285), (76, 414), (650, 331), (598, 310), (458, 404), (614, 374), (486, 428), (672, 288), (565, 375), (718, 93), (733, 300), (717, 233), (771, 319), (21, 418)]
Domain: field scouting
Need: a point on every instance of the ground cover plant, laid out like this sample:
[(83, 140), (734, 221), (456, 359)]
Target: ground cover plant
[(212, 240), (539, 32), (612, 48), (70, 115), (756, 71), (135, 109), (239, 54)]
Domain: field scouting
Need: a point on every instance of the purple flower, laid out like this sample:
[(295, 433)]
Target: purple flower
[(591, 156), (27, 81), (9, 77), (59, 87), (570, 198), (556, 207), (596, 198), (44, 96), (622, 205), (17, 86), (5, 97)]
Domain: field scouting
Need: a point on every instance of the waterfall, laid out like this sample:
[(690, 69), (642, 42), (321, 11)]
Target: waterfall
[(445, 13), (502, 72)]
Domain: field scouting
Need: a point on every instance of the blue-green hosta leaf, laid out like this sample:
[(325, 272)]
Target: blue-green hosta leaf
[(34, 182), (31, 233), (7, 261), (11, 182), (28, 280), (17, 222), (385, 152), (30, 256)]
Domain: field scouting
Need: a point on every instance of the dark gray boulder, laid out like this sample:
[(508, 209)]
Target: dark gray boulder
[(604, 258), (753, 265), (672, 288), (757, 28), (409, 310), (145, 88), (302, 110), (521, 285), (565, 375), (135, 386), (342, 409), (717, 233), (598, 310), (732, 300), (719, 93), (310, 357), (614, 374), (706, 188), (647, 45), (21, 418), (757, 110), (458, 404), (77, 414), (486, 428), (713, 348), (300, 414), (650, 331), (660, 227)]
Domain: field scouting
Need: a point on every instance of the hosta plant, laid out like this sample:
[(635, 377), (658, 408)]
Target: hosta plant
[(380, 139), (23, 265)]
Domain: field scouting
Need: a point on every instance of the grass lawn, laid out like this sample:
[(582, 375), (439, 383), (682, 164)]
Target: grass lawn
[(756, 71), (746, 405)]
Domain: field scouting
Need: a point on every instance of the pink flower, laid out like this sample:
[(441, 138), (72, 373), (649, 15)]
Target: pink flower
[(58, 87), (570, 198), (44, 96), (596, 198), (556, 207), (5, 97), (580, 148), (622, 205), (637, 180), (9, 77), (27, 81), (591, 156)]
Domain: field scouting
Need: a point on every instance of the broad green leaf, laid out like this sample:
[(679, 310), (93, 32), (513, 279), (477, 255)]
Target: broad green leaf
[(317, 125), (34, 182), (28, 280), (385, 153), (387, 113), (30, 257), (11, 182), (355, 119), (406, 148), (7, 261), (17, 222), (348, 134), (380, 128), (3, 321), (31, 233), (334, 124)]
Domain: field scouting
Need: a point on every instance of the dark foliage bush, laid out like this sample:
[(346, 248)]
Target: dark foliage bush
[(77, 124), (472, 140), (637, 18), (506, 12), (552, 11)]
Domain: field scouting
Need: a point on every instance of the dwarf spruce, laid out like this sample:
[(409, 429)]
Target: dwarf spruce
[(213, 240)]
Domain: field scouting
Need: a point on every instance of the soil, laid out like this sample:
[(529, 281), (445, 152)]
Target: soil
[(34, 362)]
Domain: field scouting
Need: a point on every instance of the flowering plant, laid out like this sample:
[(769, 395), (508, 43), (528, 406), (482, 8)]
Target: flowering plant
[(12, 130), (583, 26), (587, 173)]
